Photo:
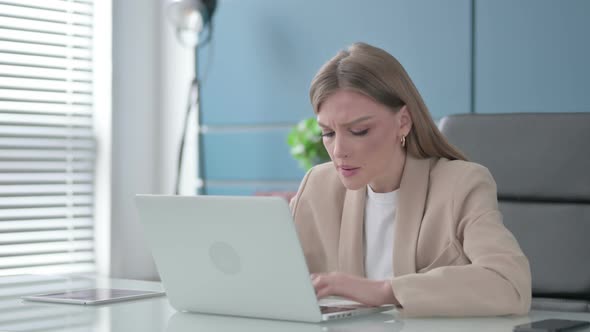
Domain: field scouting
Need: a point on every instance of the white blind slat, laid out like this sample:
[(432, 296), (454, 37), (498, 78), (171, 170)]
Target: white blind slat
[(28, 107), (45, 236), (47, 166), (46, 143), (45, 259), (13, 83), (20, 131), (45, 73), (31, 154), (44, 38), (54, 5), (44, 15), (44, 26), (43, 50), (52, 97), (44, 189), (36, 84), (27, 249), (52, 269), (9, 284), (58, 212), (17, 286), (45, 120), (45, 177), (43, 61), (44, 224)]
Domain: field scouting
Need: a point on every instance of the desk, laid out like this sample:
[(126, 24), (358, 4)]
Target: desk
[(157, 315)]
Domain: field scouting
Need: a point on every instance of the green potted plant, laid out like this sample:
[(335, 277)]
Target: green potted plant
[(305, 141), (306, 146)]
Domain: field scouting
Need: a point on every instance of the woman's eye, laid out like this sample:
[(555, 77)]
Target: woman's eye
[(360, 133), (330, 134)]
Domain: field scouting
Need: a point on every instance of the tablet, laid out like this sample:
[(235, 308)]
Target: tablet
[(93, 296)]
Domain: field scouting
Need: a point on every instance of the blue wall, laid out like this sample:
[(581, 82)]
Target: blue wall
[(463, 55), (532, 56)]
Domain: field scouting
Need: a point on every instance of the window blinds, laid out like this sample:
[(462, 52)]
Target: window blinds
[(47, 148)]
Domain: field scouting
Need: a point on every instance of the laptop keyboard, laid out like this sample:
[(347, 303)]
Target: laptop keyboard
[(332, 309)]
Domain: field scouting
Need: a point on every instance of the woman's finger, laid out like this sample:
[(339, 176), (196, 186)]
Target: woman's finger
[(320, 284), (322, 293)]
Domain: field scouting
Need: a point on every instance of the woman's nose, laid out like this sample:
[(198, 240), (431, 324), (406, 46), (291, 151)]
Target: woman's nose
[(340, 148)]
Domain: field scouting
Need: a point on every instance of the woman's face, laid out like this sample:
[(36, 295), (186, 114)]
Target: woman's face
[(363, 140)]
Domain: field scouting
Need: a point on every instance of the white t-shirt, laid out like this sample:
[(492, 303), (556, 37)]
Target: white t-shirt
[(379, 218)]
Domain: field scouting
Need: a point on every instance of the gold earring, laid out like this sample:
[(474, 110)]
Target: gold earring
[(403, 141)]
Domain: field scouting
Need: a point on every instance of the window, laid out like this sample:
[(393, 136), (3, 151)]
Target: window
[(47, 138)]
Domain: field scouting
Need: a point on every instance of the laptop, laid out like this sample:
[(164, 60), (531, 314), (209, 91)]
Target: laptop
[(237, 256)]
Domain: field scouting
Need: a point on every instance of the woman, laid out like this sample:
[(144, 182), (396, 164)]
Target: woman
[(399, 216)]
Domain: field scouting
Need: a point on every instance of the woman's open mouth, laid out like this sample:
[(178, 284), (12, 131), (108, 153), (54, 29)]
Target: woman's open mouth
[(348, 171)]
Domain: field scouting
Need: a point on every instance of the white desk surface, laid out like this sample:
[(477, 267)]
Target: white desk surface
[(156, 314)]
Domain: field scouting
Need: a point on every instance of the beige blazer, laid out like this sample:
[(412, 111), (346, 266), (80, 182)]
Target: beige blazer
[(452, 255)]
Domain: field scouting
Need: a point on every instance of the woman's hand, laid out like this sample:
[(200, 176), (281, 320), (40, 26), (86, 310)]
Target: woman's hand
[(365, 291)]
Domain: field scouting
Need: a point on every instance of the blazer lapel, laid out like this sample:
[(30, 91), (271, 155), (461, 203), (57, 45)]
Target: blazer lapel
[(351, 247), (410, 209)]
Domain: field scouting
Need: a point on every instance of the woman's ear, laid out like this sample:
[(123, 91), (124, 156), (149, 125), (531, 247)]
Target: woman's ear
[(405, 120)]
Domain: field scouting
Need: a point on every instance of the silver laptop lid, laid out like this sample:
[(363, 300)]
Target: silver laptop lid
[(229, 255)]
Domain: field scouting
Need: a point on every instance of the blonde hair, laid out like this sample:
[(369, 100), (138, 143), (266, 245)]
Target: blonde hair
[(377, 74)]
